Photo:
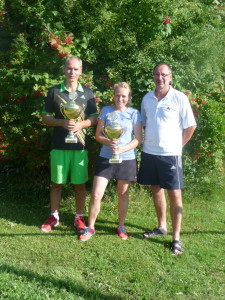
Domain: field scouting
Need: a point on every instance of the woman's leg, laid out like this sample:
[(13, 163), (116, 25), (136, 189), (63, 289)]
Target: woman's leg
[(98, 190), (123, 199)]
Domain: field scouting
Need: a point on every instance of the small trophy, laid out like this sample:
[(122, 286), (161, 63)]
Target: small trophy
[(114, 131), (71, 111)]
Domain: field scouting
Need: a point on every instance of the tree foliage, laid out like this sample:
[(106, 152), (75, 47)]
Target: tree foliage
[(117, 40)]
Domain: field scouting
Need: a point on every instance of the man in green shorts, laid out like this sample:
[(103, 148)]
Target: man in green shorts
[(68, 160)]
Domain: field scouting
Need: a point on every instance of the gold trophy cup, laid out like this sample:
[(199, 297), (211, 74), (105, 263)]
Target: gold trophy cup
[(71, 111), (114, 131)]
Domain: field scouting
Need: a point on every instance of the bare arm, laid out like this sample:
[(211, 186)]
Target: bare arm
[(134, 143), (70, 125), (187, 134), (53, 122), (99, 134), (90, 121), (119, 149)]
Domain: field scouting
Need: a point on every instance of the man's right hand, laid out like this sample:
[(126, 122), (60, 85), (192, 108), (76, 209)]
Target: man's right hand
[(69, 124)]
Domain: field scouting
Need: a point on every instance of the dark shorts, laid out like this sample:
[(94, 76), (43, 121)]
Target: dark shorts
[(165, 171), (126, 170)]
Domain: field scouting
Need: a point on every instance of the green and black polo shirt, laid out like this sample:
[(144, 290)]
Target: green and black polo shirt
[(52, 107)]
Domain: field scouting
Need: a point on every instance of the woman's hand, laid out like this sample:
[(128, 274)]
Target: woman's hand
[(115, 148)]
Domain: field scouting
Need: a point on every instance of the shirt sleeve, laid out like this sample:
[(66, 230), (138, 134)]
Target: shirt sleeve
[(136, 117), (102, 115), (187, 115), (91, 108)]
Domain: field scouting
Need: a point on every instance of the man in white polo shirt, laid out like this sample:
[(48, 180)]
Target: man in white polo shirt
[(169, 124)]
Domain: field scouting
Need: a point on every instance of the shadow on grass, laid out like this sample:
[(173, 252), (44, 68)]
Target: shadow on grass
[(137, 235), (60, 284), (32, 214), (102, 224)]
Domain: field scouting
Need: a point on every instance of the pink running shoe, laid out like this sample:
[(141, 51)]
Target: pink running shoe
[(79, 223), (50, 224), (87, 234), (122, 233)]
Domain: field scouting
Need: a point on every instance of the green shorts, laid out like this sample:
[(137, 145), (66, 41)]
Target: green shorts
[(69, 166)]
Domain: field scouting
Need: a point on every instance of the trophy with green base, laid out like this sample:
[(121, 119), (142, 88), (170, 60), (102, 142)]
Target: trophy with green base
[(70, 110), (114, 131)]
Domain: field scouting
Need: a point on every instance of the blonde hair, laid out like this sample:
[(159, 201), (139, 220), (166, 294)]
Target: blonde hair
[(126, 86)]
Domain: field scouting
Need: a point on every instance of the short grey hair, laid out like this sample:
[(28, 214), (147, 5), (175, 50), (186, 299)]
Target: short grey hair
[(73, 57)]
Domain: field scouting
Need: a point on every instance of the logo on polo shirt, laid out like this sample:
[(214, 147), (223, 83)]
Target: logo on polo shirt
[(173, 168)]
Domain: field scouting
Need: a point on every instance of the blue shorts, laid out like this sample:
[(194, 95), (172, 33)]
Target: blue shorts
[(165, 171)]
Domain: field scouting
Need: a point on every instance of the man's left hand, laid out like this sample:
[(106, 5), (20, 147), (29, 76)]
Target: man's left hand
[(77, 127)]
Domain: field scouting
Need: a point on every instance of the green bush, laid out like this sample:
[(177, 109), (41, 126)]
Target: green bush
[(117, 41), (205, 152)]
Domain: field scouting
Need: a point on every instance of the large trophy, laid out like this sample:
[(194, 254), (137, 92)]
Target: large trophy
[(70, 110), (114, 131)]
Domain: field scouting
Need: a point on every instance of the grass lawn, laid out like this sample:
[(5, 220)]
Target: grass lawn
[(36, 265)]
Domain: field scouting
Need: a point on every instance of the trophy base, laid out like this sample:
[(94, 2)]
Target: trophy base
[(71, 140), (115, 160)]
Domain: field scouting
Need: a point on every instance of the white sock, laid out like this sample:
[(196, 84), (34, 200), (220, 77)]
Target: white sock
[(56, 215)]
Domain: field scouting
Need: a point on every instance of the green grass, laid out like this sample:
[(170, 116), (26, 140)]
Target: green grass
[(36, 265)]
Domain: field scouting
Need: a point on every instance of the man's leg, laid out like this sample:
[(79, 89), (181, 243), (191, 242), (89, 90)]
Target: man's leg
[(58, 177), (55, 197), (176, 208), (78, 176), (160, 206), (80, 197)]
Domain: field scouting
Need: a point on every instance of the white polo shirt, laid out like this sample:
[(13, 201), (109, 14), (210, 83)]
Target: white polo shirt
[(165, 121)]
